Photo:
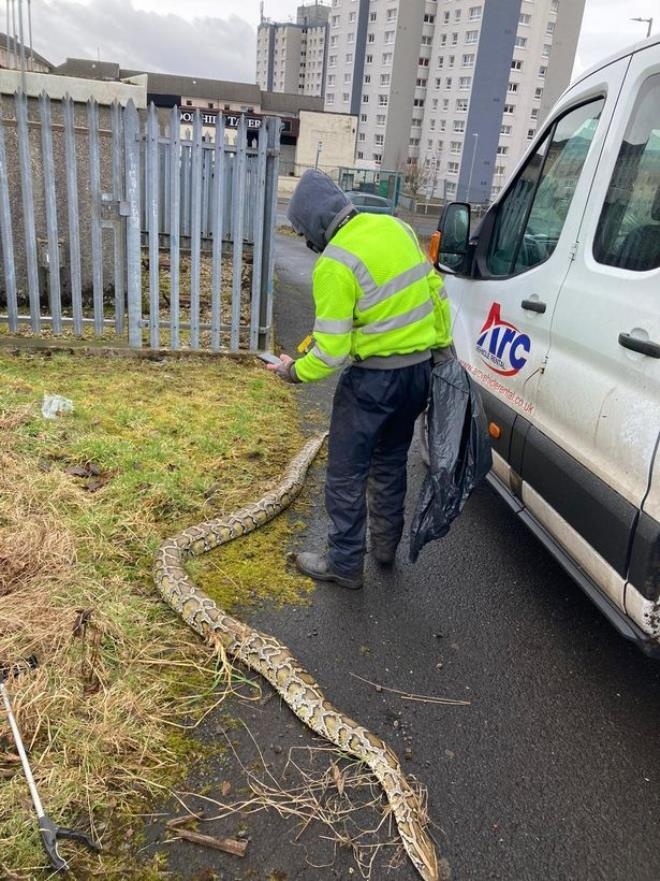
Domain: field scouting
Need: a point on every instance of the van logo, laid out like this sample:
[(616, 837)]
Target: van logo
[(501, 345)]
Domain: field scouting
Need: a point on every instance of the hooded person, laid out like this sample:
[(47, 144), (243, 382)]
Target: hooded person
[(381, 315)]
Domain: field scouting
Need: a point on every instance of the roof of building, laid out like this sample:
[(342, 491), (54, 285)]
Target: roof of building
[(195, 87), (8, 42), (88, 69)]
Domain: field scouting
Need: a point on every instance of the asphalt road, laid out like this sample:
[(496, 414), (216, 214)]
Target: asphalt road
[(550, 773)]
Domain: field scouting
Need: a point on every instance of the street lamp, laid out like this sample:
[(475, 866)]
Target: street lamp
[(649, 21), (474, 153), (319, 147)]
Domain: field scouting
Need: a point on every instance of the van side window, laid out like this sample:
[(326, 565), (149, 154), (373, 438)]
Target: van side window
[(628, 233), (532, 214)]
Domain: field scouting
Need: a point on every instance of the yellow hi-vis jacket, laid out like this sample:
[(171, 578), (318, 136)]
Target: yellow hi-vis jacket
[(375, 294)]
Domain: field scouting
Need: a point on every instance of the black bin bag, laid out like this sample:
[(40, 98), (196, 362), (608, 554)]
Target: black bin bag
[(459, 453)]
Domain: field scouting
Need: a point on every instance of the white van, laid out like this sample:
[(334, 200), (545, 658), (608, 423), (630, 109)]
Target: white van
[(556, 307)]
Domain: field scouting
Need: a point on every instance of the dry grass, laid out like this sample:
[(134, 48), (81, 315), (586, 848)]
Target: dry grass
[(84, 500)]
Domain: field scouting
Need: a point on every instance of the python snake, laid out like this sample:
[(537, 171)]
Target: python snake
[(267, 656)]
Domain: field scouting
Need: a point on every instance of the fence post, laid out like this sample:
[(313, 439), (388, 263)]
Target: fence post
[(6, 235), (133, 244), (95, 194), (175, 223), (238, 212), (258, 236), (270, 213), (22, 132), (54, 291), (195, 230), (217, 214), (118, 224), (72, 212), (153, 224)]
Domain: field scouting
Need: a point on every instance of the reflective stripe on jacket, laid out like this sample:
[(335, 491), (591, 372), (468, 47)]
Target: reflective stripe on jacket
[(375, 294)]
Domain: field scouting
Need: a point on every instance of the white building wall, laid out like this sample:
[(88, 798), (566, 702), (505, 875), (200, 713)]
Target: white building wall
[(440, 82)]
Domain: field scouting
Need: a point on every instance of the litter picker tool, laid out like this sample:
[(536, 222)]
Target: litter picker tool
[(50, 831)]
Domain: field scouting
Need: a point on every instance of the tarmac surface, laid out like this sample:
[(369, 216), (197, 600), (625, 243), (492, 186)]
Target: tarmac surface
[(550, 772)]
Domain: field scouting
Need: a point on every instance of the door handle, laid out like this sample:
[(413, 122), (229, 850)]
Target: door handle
[(533, 306), (646, 347)]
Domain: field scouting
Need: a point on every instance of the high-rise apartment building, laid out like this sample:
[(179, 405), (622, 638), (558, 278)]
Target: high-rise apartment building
[(451, 90), (291, 57)]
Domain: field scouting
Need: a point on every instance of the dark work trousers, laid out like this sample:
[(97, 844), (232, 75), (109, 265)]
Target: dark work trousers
[(372, 424)]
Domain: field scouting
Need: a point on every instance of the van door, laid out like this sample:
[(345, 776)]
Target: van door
[(597, 418), (524, 250)]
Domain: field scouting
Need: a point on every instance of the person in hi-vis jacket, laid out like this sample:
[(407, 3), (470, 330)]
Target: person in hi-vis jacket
[(381, 314)]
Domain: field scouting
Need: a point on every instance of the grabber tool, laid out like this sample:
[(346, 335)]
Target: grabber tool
[(50, 831)]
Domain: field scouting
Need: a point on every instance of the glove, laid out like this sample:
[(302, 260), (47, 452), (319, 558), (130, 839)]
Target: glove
[(286, 371), (447, 353)]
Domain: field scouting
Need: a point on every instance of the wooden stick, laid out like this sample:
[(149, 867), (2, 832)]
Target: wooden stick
[(228, 845)]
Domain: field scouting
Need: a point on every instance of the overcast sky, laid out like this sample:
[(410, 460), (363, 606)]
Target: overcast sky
[(217, 38)]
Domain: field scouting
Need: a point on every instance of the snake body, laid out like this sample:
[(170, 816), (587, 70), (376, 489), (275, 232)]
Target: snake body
[(269, 657)]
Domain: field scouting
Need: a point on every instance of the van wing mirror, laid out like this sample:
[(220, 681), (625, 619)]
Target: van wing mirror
[(449, 243)]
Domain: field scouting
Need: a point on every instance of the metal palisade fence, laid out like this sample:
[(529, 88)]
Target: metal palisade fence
[(114, 224)]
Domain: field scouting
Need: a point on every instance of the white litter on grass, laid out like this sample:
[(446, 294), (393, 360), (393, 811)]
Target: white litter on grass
[(55, 405)]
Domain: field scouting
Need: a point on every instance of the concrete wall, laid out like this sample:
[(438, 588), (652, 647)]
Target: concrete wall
[(336, 131), (104, 94)]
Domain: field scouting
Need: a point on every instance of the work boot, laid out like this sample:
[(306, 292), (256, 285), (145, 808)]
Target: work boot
[(317, 567), (383, 555)]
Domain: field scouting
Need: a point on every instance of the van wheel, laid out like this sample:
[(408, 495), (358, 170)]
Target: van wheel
[(422, 437)]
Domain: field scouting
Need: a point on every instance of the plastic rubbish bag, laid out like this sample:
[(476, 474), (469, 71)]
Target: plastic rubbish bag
[(55, 405), (459, 453)]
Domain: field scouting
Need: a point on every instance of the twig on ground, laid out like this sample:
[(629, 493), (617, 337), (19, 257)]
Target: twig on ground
[(407, 695)]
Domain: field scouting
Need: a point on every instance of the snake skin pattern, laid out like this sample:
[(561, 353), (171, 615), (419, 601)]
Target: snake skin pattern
[(267, 656)]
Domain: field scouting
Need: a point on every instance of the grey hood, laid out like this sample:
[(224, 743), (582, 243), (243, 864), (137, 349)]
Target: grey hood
[(317, 207)]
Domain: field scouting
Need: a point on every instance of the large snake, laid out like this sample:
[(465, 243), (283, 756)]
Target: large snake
[(267, 656)]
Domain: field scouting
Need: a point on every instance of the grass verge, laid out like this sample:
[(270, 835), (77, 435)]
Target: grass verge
[(150, 447)]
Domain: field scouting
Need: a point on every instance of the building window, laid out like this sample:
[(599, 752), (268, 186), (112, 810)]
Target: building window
[(448, 83), (535, 113), (380, 119), (367, 78), (347, 78), (391, 15), (461, 105), (471, 36), (351, 16), (502, 151), (516, 64), (418, 102), (369, 59), (332, 60), (474, 13), (423, 62), (512, 88), (331, 79), (530, 133), (454, 39), (377, 157), (459, 125), (372, 16), (365, 99), (546, 50), (451, 60), (445, 103), (437, 82), (452, 167), (379, 140), (455, 147), (520, 43), (524, 18), (349, 58), (432, 125), (441, 61), (330, 98), (419, 82), (382, 100), (363, 117), (429, 19), (538, 92), (445, 17), (385, 79), (371, 38), (465, 82), (387, 57), (389, 37), (542, 70), (334, 21), (350, 38), (505, 130), (468, 60), (362, 136), (509, 109), (360, 155)]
